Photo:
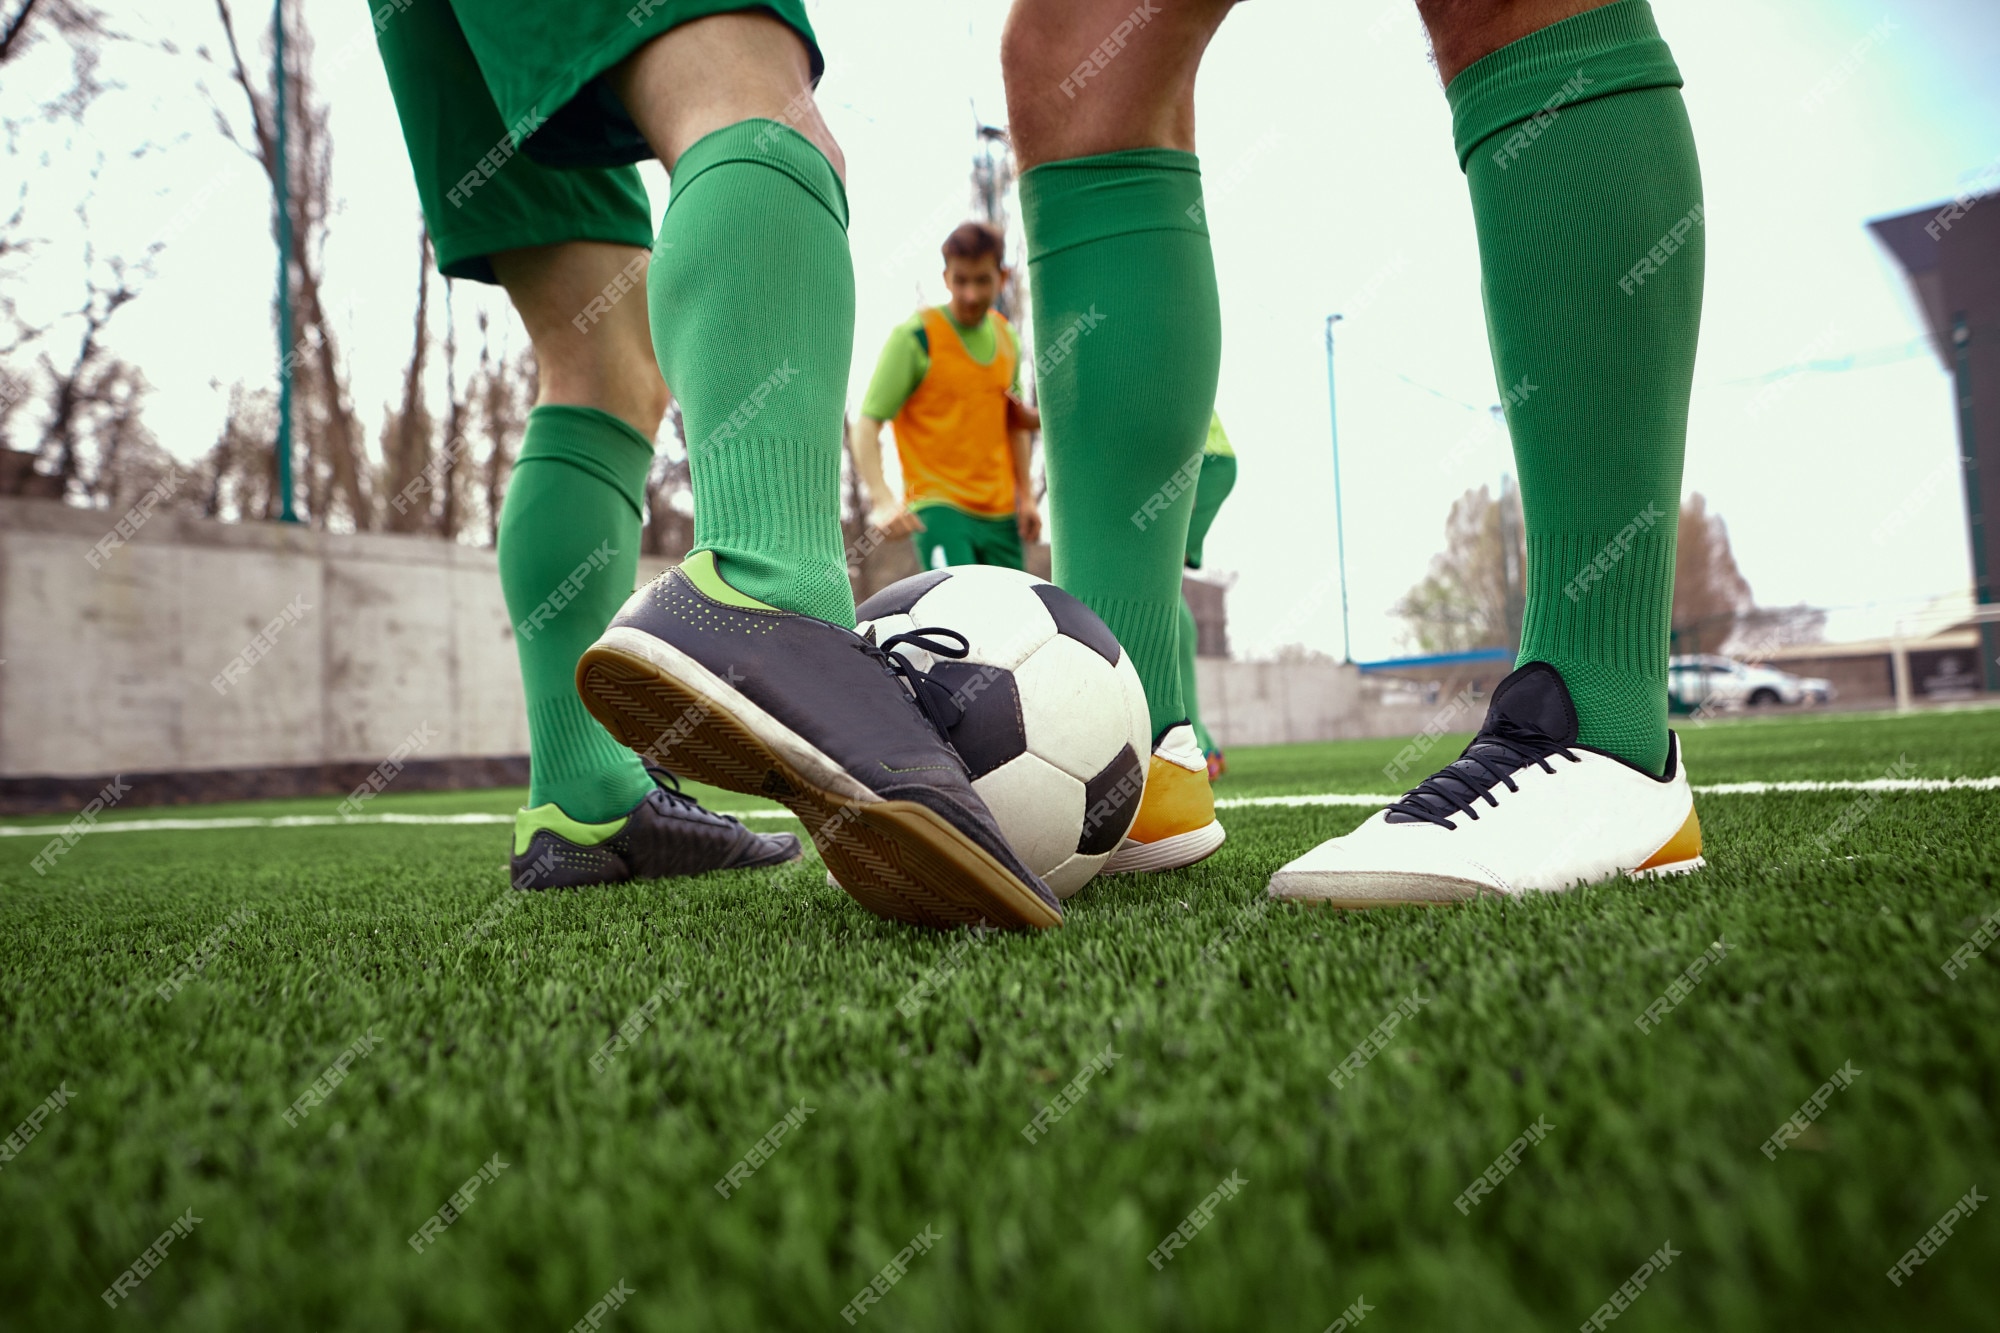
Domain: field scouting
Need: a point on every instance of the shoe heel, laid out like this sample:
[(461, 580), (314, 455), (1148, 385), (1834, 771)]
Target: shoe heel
[(662, 703), (665, 721)]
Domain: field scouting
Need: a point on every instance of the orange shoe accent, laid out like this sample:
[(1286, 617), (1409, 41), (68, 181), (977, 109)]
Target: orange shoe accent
[(1683, 846), (1176, 801)]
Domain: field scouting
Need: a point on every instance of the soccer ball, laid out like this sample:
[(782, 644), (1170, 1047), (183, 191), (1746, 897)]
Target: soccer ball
[(1054, 728)]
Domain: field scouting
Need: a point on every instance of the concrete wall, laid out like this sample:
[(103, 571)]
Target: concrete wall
[(110, 669), (1276, 703)]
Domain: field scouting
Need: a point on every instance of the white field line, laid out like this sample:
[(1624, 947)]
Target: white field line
[(1715, 789), (1873, 784), (1371, 799), (249, 821), (295, 821)]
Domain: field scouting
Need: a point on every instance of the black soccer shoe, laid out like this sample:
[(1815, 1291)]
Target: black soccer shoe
[(846, 734), (666, 836)]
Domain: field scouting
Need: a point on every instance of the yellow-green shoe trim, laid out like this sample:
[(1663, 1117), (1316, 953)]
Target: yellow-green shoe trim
[(527, 822), (701, 571)]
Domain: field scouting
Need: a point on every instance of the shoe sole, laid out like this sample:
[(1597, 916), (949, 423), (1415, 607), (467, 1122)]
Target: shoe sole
[(1358, 892), (1687, 867), (898, 859), (1361, 891), (1174, 853)]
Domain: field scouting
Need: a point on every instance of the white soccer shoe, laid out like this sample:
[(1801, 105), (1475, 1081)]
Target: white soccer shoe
[(1525, 809)]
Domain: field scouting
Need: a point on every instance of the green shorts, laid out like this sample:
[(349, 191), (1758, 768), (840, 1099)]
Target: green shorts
[(953, 537), (515, 137)]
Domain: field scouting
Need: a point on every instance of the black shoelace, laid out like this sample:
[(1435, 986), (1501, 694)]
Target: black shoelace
[(669, 789), (936, 701), (1490, 761)]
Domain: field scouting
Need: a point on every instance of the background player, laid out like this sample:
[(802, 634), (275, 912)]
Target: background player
[(947, 377)]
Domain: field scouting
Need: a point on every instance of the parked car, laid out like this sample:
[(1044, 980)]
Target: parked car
[(1708, 680)]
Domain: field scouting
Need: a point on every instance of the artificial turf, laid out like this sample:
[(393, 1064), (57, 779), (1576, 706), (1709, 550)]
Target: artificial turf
[(1223, 1017)]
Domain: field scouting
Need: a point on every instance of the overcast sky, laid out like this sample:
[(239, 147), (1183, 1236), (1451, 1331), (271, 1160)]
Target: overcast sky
[(1329, 130)]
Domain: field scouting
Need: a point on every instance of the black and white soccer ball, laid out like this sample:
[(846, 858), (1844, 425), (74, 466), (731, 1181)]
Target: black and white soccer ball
[(1054, 724)]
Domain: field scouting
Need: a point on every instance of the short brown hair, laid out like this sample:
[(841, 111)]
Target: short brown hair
[(975, 240)]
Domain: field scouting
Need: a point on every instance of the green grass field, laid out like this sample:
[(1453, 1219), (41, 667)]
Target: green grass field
[(1225, 1017)]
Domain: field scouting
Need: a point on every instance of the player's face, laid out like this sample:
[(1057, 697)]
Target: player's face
[(973, 283)]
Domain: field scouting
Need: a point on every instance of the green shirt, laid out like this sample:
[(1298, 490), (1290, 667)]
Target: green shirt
[(905, 361), (1218, 440)]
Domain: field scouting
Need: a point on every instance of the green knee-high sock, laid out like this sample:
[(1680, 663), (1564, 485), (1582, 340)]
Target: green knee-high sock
[(1586, 196), (1190, 689), (569, 554), (752, 300), (1128, 340)]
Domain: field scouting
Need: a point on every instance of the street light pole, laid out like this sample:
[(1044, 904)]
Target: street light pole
[(281, 189), (1339, 518)]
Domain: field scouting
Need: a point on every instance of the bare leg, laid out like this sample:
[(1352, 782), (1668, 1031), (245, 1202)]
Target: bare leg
[(714, 72), (751, 300), (1083, 79), (573, 503), (1100, 98), (606, 362), (1465, 31)]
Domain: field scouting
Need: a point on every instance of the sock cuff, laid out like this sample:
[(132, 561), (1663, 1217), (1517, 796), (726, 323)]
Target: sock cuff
[(765, 475), (1599, 599), (750, 516), (1083, 199), (764, 143), (574, 763), (1613, 49), (1150, 633), (1619, 711), (593, 442)]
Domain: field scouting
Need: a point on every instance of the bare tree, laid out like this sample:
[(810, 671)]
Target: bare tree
[(1714, 610), (670, 494), (451, 505), (238, 478), (1763, 630), (90, 376), (14, 243), (12, 27), (14, 390), (1710, 593), (127, 461), (333, 433), (1471, 596), (406, 433), (91, 433), (505, 393), (82, 27)]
